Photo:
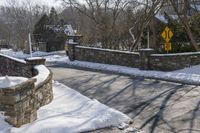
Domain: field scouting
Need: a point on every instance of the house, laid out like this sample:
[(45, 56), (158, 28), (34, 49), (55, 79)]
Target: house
[(57, 35), (194, 7)]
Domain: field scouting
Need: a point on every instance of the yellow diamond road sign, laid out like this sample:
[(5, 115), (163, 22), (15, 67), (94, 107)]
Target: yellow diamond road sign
[(167, 34), (168, 46)]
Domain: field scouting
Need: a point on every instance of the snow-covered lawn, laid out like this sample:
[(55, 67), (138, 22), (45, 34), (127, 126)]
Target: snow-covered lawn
[(69, 112)]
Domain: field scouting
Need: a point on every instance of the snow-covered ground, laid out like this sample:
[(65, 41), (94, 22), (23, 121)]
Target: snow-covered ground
[(72, 112), (21, 55), (9, 81), (190, 75), (69, 112)]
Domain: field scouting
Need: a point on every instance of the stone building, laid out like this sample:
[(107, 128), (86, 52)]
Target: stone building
[(57, 36)]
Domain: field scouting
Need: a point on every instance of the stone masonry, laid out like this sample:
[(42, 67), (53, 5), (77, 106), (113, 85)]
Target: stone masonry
[(145, 59), (170, 62), (16, 102), (115, 57), (21, 102)]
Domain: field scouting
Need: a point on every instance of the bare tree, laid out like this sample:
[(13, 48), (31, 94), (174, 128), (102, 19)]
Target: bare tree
[(104, 13), (181, 8), (19, 19), (144, 17)]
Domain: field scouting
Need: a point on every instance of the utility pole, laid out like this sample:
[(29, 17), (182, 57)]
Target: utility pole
[(30, 44), (148, 37)]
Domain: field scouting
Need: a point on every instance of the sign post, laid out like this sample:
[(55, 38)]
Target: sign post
[(30, 44), (167, 35)]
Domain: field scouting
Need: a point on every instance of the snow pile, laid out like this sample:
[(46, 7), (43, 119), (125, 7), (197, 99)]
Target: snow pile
[(70, 112), (4, 126), (42, 75), (9, 81), (189, 75), (57, 59), (22, 55), (191, 70)]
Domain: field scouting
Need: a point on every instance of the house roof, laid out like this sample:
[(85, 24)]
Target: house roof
[(67, 29)]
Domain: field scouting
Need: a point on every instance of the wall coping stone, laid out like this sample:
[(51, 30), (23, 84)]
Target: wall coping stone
[(12, 58), (17, 87), (108, 50), (177, 54)]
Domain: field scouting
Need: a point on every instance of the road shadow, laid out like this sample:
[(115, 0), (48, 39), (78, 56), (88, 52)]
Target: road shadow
[(155, 106)]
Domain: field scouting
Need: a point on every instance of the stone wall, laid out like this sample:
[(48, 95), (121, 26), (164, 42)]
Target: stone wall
[(115, 57), (170, 62), (20, 103), (14, 67), (145, 59), (17, 103), (43, 93)]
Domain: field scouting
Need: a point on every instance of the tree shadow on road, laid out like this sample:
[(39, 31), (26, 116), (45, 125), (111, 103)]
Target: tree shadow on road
[(144, 100)]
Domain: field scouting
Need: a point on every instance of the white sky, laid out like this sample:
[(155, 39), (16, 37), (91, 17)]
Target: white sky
[(42, 2)]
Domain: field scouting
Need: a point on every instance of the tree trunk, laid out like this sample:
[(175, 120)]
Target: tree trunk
[(182, 15)]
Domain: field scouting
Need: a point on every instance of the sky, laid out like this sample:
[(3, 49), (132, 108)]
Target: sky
[(43, 2)]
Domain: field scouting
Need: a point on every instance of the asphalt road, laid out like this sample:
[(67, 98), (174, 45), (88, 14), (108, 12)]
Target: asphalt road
[(155, 106)]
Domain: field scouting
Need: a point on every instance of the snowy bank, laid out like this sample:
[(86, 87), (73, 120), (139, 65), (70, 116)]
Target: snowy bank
[(189, 75), (43, 73), (69, 112), (21, 55)]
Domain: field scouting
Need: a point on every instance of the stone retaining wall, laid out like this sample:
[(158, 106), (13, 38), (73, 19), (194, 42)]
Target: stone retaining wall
[(17, 103), (170, 62), (43, 93), (14, 67), (145, 59), (21, 102), (115, 57)]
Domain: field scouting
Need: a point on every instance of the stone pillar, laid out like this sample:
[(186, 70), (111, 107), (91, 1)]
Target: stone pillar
[(17, 104), (36, 61), (71, 50), (144, 58), (31, 62)]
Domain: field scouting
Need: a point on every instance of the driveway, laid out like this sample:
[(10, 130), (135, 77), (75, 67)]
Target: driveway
[(155, 106)]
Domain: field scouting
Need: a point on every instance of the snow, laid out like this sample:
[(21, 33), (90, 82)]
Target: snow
[(69, 112), (196, 6), (21, 55), (147, 49), (182, 76), (108, 50), (161, 18), (190, 70), (18, 60), (35, 58), (43, 73), (4, 126), (175, 54), (186, 76), (9, 81)]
